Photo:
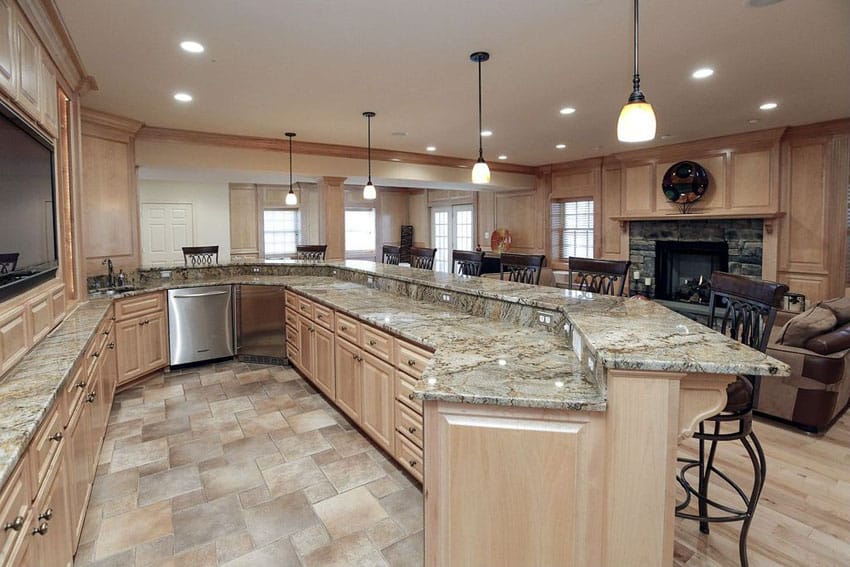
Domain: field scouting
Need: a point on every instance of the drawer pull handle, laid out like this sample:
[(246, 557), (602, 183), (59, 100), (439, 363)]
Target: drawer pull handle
[(16, 525), (110, 346), (81, 385), (141, 323), (320, 316), (56, 437), (95, 354), (105, 333), (304, 308), (372, 342), (41, 529), (343, 328), (411, 362), (358, 358), (46, 515), (411, 429), (91, 397), (412, 463), (410, 396)]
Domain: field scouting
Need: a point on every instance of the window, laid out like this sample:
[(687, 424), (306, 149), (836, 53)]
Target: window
[(572, 229), (281, 231), (360, 231)]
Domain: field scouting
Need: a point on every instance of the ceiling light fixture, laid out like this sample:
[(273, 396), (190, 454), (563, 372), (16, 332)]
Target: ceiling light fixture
[(560, 146), (183, 97), (567, 110), (480, 171), (503, 156), (431, 149), (486, 133), (637, 119), (369, 191), (703, 73), (291, 197), (191, 46), (768, 106)]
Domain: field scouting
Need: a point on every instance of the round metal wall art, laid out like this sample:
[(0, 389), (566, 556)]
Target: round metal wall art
[(685, 183)]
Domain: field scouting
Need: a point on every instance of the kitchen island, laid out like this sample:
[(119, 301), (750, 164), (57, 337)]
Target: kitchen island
[(551, 416)]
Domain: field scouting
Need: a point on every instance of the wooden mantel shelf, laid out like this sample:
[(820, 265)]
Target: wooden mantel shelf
[(768, 218)]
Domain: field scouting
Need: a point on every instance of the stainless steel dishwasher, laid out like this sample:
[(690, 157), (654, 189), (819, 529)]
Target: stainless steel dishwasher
[(200, 323)]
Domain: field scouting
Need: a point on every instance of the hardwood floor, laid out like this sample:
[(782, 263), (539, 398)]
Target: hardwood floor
[(234, 464), (803, 517)]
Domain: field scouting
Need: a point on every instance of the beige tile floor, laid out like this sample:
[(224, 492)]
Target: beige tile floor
[(236, 464)]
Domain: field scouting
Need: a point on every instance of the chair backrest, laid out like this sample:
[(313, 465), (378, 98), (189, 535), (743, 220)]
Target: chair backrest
[(200, 255), (598, 276), (523, 268), (391, 254), (749, 310), (466, 263), (422, 258), (311, 251), (8, 262)]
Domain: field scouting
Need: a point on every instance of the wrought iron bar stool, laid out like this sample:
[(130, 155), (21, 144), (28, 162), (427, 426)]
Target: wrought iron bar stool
[(523, 268), (598, 276), (749, 309), (422, 258), (200, 255), (8, 262), (390, 254), (466, 263), (311, 251)]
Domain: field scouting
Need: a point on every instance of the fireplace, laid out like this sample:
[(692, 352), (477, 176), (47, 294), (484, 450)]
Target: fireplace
[(683, 269)]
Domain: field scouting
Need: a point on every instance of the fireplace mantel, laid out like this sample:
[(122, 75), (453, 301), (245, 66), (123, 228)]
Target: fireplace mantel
[(768, 218)]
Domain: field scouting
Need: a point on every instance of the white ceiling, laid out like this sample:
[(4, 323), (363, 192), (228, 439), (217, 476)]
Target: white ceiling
[(313, 67)]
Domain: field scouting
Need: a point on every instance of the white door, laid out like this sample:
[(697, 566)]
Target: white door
[(166, 229), (451, 229)]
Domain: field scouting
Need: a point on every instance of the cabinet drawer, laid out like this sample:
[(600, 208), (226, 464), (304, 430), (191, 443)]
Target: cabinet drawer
[(132, 306), (404, 386), (291, 300), (323, 316), (291, 316), (293, 354), (408, 423), (305, 308), (347, 328), (75, 387), (376, 342), (410, 456), (46, 442), (411, 359), (15, 499), (292, 334)]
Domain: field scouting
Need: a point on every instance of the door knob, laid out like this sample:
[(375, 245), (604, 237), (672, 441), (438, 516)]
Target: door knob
[(41, 529), (46, 515), (15, 525)]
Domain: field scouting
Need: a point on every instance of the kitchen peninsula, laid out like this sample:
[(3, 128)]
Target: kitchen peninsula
[(546, 442)]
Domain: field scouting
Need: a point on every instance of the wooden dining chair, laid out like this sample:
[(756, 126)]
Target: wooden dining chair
[(200, 256), (598, 276), (8, 262), (391, 254), (466, 263), (422, 258), (311, 251), (522, 268)]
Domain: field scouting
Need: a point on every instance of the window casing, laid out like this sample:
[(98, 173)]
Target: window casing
[(572, 228), (281, 232)]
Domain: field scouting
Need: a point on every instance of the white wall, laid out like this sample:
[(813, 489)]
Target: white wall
[(210, 208)]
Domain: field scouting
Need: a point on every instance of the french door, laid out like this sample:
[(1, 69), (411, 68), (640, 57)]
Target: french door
[(451, 229)]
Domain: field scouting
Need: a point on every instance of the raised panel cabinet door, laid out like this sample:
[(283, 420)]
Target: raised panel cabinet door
[(41, 316), (378, 410), (29, 68), (79, 450), (15, 499), (13, 337), (51, 510), (128, 343), (306, 346), (154, 342), (323, 374), (348, 383), (8, 75), (49, 99)]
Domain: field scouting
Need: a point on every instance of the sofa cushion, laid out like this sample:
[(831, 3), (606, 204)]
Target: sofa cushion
[(816, 321), (841, 307), (834, 341)]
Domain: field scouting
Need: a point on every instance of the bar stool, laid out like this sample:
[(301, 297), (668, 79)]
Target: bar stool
[(598, 276), (8, 262), (523, 268), (422, 258), (311, 251), (390, 254), (749, 310), (200, 255), (466, 263)]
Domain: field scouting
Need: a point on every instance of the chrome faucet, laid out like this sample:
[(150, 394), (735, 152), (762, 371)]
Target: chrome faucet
[(110, 274)]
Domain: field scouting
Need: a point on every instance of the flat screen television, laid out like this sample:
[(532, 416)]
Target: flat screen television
[(28, 254)]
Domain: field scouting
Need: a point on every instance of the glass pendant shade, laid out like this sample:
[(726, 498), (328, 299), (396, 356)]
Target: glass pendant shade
[(291, 198), (636, 123), (369, 192), (480, 172)]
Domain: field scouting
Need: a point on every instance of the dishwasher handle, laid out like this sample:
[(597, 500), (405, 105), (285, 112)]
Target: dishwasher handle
[(205, 294)]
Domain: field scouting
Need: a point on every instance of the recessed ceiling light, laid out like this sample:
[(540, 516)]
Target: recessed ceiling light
[(666, 136), (431, 149), (567, 110), (183, 97), (486, 133), (753, 121), (394, 159), (762, 3), (191, 46), (560, 146), (702, 73), (768, 106), (503, 156), (399, 133)]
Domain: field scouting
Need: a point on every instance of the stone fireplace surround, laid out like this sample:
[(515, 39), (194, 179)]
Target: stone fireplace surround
[(745, 238)]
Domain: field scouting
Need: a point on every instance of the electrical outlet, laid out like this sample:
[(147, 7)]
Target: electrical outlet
[(591, 363), (544, 318), (486, 235), (370, 281), (165, 274), (446, 297), (255, 269)]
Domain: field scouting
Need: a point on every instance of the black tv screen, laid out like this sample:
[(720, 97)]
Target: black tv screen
[(27, 206)]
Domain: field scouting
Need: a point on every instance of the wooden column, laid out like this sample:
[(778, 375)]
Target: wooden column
[(332, 216)]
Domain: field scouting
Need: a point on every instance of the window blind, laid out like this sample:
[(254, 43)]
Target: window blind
[(572, 228), (281, 231)]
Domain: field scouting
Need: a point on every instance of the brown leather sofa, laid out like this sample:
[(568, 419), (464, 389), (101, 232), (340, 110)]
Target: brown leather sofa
[(816, 393)]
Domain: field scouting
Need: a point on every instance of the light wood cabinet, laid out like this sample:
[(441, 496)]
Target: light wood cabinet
[(50, 527), (323, 374), (8, 63), (14, 337), (81, 451), (49, 102), (306, 347), (377, 399), (348, 382), (40, 312), (15, 499), (141, 336), (28, 52)]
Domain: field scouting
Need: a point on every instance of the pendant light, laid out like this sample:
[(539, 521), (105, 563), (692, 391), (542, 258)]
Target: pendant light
[(480, 171), (291, 197), (637, 119), (369, 192)]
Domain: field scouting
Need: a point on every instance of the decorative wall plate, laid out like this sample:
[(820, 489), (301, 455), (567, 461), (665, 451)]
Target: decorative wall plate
[(500, 240), (685, 183)]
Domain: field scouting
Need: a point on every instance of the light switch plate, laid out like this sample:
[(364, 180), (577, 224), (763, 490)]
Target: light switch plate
[(165, 274)]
